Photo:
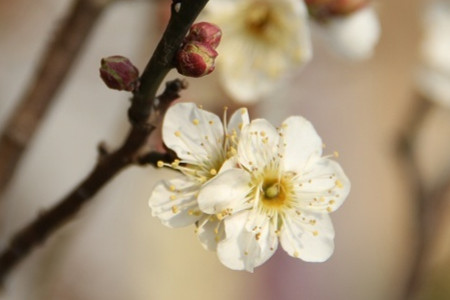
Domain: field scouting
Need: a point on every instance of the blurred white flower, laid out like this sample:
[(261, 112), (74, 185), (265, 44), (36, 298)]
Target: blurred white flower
[(353, 36), (262, 41), (434, 74), (202, 144), (281, 189)]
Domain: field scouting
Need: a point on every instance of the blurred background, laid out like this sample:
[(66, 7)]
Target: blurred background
[(115, 249)]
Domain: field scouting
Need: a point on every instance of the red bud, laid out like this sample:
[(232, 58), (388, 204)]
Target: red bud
[(196, 59), (119, 73), (205, 32)]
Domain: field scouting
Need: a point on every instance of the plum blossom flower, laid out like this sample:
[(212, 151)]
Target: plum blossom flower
[(202, 144), (354, 35), (263, 41), (280, 190), (433, 79)]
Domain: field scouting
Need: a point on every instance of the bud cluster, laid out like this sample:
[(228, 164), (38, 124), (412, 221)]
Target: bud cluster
[(197, 55), (323, 9)]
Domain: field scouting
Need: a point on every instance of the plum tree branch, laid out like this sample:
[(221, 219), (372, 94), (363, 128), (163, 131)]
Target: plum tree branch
[(60, 55), (428, 202), (141, 113)]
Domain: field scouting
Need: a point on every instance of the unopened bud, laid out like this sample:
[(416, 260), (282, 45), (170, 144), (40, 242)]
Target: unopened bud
[(205, 32), (119, 73), (322, 9), (196, 59)]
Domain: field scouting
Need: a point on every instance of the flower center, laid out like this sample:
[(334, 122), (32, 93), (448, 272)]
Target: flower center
[(273, 193), (258, 17)]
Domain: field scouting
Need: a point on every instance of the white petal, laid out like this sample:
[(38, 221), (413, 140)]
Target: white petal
[(433, 79), (434, 85), (435, 47), (253, 65), (231, 163), (241, 79), (238, 120), (309, 240), (302, 44), (257, 144), (354, 36), (302, 144), (209, 232), (221, 7), (244, 250), (297, 45), (192, 133), (174, 202), (323, 188), (226, 190)]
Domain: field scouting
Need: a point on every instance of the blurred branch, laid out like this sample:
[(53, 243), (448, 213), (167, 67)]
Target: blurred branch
[(429, 203), (183, 14), (55, 64)]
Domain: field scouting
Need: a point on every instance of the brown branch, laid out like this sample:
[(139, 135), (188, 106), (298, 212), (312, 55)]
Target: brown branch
[(429, 203), (111, 164), (56, 63), (418, 192), (152, 158)]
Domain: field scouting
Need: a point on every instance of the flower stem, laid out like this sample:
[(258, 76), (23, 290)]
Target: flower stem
[(111, 164)]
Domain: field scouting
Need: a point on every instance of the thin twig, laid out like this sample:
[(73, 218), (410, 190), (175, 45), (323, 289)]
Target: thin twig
[(55, 64), (110, 165)]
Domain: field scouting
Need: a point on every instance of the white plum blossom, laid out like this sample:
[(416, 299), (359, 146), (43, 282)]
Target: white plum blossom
[(433, 78), (262, 41), (280, 190), (353, 36), (202, 144)]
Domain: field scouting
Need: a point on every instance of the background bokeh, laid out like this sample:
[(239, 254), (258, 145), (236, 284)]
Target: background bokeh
[(115, 249)]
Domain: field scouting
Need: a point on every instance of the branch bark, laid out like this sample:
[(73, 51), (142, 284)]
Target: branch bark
[(56, 63), (183, 14), (428, 203)]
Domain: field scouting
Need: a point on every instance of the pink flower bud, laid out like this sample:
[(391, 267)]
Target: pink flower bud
[(196, 59), (205, 32), (323, 9), (119, 73), (344, 7)]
